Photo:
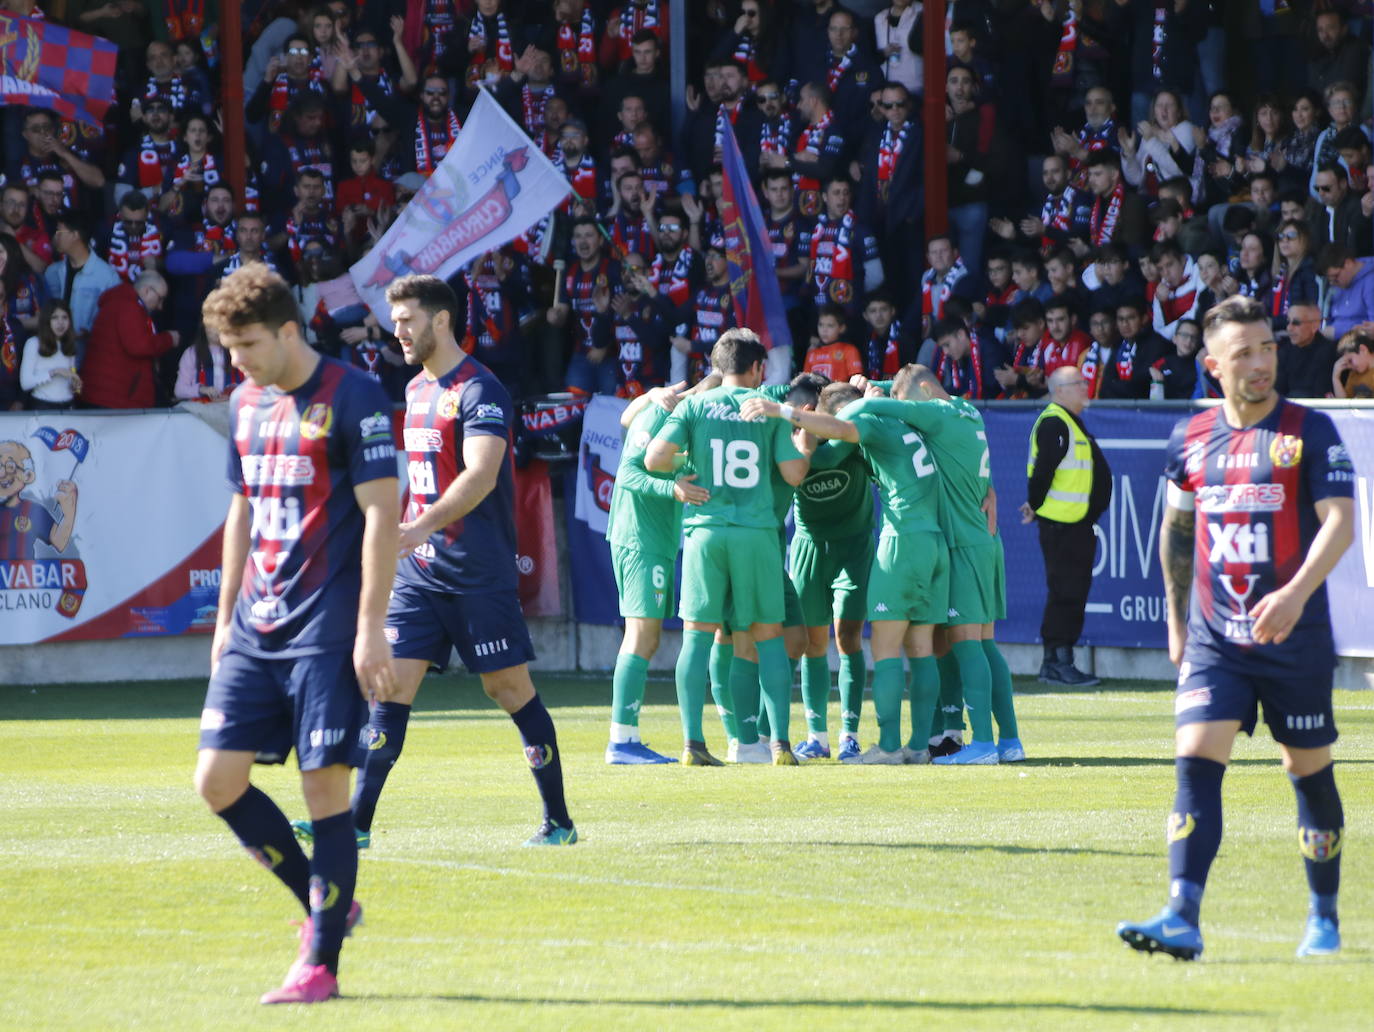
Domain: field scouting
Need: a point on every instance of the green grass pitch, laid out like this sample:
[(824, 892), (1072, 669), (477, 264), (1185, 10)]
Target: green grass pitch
[(737, 898)]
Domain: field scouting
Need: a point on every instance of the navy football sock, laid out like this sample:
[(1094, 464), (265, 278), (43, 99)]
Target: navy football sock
[(1321, 823), (541, 749), (264, 831), (1194, 832), (333, 874), (386, 736)]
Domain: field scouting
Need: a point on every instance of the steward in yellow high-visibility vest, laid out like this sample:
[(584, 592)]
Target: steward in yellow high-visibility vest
[(1069, 486)]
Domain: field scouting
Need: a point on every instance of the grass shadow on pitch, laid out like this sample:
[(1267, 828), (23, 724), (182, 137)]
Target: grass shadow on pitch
[(1006, 849), (1015, 1006)]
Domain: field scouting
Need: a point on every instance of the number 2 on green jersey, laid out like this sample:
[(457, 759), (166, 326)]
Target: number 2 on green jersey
[(984, 468), (735, 463), (920, 459)]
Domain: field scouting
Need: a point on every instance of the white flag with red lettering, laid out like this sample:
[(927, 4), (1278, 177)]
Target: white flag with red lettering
[(492, 186)]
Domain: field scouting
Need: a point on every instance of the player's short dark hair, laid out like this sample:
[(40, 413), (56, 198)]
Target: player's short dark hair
[(737, 351), (250, 295), (1235, 309), (431, 293), (806, 388), (1027, 311), (946, 328), (836, 396), (910, 377)]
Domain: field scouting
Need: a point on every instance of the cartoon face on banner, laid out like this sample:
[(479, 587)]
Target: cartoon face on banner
[(39, 564)]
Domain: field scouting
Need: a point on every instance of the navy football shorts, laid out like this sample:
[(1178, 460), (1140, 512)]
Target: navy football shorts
[(488, 630), (268, 706), (1296, 708)]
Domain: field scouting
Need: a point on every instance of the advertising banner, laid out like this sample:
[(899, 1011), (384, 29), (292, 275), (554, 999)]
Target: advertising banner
[(109, 525)]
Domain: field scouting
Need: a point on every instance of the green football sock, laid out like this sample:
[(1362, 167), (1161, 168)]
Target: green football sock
[(765, 728), (925, 694), (950, 712), (775, 676), (627, 688), (816, 692), (691, 674), (889, 681), (722, 655), (853, 680), (1003, 706), (977, 681), (744, 686)]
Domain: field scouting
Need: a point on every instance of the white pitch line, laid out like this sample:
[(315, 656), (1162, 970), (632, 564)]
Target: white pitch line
[(1123, 443)]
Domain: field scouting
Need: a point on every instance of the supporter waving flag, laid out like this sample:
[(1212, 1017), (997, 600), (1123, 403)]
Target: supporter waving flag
[(44, 65), (753, 279)]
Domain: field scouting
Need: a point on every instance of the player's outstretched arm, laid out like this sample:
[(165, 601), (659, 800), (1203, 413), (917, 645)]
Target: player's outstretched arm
[(817, 423), (665, 398), (1278, 612), (233, 555), (379, 501), (920, 416), (1176, 545)]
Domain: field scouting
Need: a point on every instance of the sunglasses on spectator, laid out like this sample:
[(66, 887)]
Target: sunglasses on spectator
[(769, 96), (1325, 187), (298, 50), (888, 105), (1290, 235), (436, 93), (669, 227)]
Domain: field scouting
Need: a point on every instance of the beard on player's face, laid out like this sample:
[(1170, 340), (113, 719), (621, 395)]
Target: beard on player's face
[(422, 344)]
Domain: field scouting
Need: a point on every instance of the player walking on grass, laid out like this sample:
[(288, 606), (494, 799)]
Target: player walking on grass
[(309, 551), (644, 532), (455, 585), (731, 552), (1261, 502), (953, 430), (908, 584)]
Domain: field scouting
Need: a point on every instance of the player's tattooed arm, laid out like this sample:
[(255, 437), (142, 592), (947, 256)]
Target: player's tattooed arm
[(1176, 544)]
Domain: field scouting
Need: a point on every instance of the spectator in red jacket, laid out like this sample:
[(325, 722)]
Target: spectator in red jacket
[(120, 369)]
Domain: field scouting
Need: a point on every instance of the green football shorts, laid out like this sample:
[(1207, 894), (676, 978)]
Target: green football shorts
[(732, 571), (644, 582), (977, 584), (831, 577), (910, 579)]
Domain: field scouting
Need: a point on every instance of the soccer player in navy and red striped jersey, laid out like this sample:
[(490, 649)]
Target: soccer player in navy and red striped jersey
[(1261, 503), (309, 553), (456, 583)]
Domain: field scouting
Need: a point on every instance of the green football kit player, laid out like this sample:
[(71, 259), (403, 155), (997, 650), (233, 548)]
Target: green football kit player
[(908, 581), (831, 558), (644, 530), (953, 429), (731, 561)]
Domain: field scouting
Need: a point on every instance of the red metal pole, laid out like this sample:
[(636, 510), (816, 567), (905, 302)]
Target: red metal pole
[(231, 87), (933, 109)]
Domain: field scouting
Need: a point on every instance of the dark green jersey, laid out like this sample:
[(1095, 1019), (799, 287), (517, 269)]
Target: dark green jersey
[(644, 514), (954, 431), (835, 500), (735, 460), (908, 482)]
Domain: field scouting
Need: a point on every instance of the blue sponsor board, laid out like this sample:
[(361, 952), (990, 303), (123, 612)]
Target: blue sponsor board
[(1126, 606)]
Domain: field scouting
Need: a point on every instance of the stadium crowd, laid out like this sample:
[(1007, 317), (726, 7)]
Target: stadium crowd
[(1115, 168)]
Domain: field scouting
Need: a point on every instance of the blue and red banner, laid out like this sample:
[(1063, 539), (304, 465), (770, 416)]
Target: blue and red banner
[(45, 65), (753, 277)]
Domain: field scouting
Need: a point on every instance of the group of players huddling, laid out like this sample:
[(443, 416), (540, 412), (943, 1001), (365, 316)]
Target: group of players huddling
[(735, 454), (332, 600)]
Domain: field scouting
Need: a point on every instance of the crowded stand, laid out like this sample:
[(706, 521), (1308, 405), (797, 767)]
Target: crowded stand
[(1114, 169)]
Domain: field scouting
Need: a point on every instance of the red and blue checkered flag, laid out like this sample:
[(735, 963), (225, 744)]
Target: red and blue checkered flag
[(45, 65), (753, 275)]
